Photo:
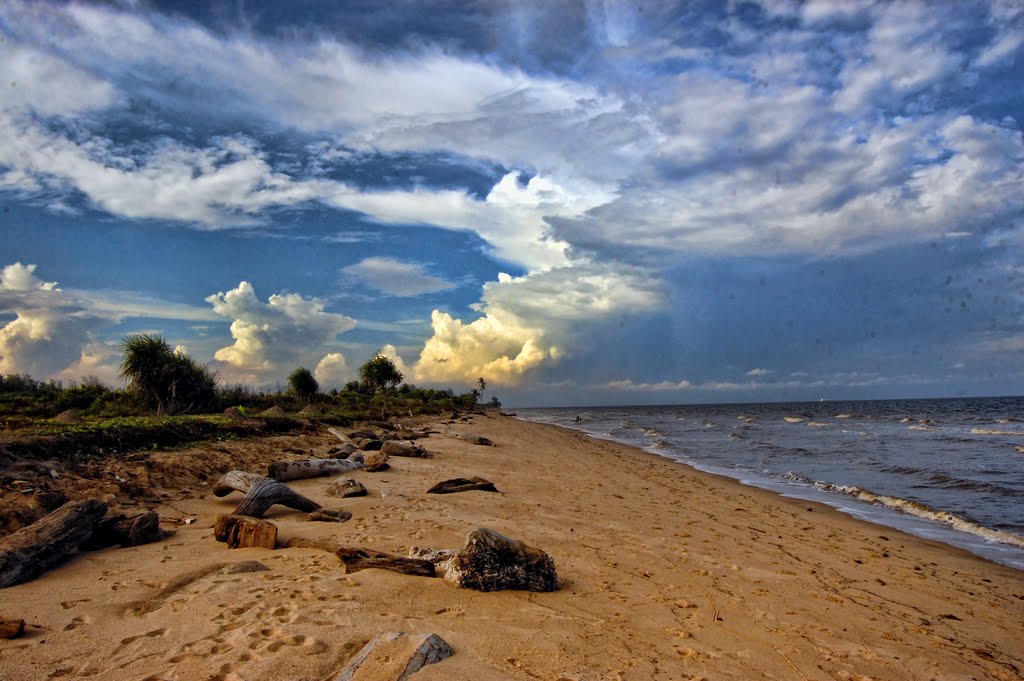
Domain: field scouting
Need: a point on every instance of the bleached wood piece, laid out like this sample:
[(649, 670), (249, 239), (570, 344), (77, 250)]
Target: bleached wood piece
[(311, 468)]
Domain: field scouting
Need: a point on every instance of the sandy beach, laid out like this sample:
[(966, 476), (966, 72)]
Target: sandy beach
[(665, 573)]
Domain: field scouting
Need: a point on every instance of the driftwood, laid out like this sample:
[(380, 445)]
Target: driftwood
[(310, 468), (265, 492), (405, 448), (363, 559), (122, 530), (396, 656), (375, 462), (11, 628), (240, 532), (345, 439), (27, 553), (235, 481), (330, 515), (462, 485), (346, 487)]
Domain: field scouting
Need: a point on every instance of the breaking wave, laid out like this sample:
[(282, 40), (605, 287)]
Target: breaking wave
[(921, 511)]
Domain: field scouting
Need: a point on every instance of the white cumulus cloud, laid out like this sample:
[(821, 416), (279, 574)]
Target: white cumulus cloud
[(271, 336)]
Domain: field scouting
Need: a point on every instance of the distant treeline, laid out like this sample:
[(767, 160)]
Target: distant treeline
[(21, 395)]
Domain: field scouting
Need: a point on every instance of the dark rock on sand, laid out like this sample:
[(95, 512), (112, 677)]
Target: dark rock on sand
[(346, 487), (462, 485), (492, 562)]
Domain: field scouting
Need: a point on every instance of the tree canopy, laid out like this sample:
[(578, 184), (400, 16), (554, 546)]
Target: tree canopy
[(170, 380), (381, 374), (302, 383)]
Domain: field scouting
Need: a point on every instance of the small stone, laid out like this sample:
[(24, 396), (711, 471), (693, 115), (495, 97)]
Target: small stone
[(11, 628)]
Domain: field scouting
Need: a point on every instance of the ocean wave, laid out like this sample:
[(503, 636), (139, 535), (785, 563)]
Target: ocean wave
[(793, 419), (818, 424), (993, 431), (653, 432), (661, 444), (921, 426), (844, 416), (922, 511)]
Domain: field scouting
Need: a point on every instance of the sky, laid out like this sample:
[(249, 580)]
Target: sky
[(585, 203)]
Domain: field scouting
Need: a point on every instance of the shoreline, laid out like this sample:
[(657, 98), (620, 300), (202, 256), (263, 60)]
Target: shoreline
[(894, 513), (666, 572)]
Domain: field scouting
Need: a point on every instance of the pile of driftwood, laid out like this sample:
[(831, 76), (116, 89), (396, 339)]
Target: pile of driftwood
[(85, 524)]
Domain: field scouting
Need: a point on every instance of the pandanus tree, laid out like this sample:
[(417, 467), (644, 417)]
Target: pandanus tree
[(380, 374), (166, 379), (303, 384)]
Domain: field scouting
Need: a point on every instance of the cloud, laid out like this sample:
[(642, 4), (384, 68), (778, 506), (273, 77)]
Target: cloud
[(270, 337), (396, 278), (630, 386), (35, 81), (529, 321), (49, 329), (332, 371), (758, 372)]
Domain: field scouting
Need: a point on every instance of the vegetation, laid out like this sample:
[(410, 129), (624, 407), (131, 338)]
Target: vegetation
[(380, 374), (170, 380), (170, 400), (302, 383)]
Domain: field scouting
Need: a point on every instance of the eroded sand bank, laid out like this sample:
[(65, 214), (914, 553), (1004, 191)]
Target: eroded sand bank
[(666, 573)]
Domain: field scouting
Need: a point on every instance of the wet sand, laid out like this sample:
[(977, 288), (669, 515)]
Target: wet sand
[(665, 572)]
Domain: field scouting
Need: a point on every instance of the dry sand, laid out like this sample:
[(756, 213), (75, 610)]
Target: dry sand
[(666, 573)]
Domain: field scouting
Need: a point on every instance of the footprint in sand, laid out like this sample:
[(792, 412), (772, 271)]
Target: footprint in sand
[(77, 622), (148, 634)]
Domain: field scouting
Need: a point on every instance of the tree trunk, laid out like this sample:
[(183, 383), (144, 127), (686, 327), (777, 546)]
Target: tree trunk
[(235, 481), (265, 492), (27, 553), (241, 532), (310, 468), (124, 531)]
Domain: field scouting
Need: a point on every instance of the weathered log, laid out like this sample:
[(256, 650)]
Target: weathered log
[(404, 448), (330, 515), (473, 439), (122, 530), (363, 559), (240, 532), (462, 485), (11, 628), (27, 553), (235, 481), (311, 468), (345, 439), (395, 656), (265, 492)]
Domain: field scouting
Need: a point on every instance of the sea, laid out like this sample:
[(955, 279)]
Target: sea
[(950, 470)]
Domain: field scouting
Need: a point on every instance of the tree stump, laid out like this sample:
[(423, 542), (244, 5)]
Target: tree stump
[(376, 461), (27, 553), (240, 532)]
